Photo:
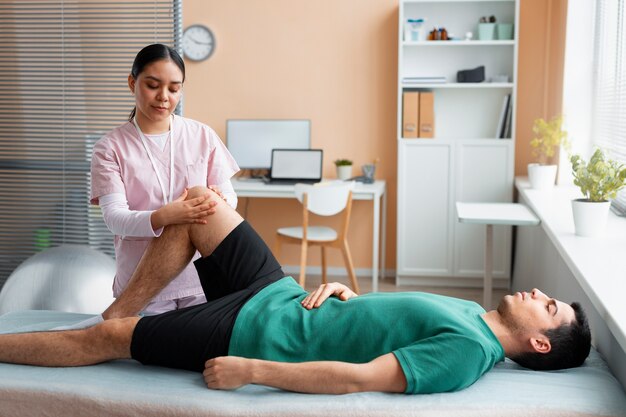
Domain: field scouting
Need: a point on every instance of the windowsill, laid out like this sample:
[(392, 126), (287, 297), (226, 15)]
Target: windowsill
[(599, 264)]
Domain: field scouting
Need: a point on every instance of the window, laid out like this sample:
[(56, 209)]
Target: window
[(609, 81), (63, 83)]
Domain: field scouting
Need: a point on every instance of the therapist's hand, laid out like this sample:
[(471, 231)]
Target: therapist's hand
[(181, 211)]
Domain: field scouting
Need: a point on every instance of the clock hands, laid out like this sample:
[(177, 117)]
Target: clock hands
[(198, 42)]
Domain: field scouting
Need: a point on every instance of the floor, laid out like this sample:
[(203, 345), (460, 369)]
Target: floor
[(388, 285)]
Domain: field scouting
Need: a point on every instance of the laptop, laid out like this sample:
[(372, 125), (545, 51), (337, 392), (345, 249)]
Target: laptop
[(291, 166)]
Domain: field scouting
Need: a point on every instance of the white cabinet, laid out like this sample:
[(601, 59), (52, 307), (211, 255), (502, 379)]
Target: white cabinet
[(465, 161), (425, 195), (483, 174)]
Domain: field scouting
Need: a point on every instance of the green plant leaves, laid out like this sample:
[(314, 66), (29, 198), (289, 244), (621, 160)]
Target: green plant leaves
[(549, 136), (601, 178), (343, 162)]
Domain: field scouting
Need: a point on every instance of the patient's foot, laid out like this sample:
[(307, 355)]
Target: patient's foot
[(91, 321)]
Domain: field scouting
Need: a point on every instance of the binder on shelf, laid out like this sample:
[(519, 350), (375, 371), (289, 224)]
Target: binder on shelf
[(424, 80), (503, 113), (427, 114), (410, 114), (508, 122)]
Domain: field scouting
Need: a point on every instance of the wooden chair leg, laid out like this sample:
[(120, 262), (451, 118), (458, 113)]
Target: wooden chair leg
[(303, 252), (324, 277), (277, 246), (345, 249)]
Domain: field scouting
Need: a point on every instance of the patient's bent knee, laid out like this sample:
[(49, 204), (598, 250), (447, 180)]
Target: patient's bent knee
[(198, 191), (201, 191)]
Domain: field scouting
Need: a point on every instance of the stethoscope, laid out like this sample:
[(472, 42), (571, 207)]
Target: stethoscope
[(144, 141)]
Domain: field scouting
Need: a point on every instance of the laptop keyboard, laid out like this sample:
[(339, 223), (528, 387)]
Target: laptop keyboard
[(288, 182)]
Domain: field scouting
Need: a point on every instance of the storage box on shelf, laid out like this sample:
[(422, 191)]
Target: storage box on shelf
[(471, 155)]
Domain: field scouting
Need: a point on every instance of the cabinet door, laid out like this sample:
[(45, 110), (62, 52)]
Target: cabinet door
[(424, 197), (484, 174)]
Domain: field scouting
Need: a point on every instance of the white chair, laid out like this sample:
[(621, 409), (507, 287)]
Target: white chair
[(323, 199)]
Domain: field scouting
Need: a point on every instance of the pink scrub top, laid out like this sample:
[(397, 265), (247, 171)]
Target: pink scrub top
[(120, 164)]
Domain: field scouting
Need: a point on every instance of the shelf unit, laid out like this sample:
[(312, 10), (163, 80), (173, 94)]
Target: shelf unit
[(435, 86), (465, 161), (446, 44)]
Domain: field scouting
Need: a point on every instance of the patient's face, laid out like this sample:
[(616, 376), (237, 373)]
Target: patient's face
[(534, 311)]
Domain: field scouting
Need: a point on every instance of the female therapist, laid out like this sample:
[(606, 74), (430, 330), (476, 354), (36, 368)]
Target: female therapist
[(142, 169)]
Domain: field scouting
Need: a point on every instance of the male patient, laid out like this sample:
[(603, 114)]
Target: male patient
[(259, 326)]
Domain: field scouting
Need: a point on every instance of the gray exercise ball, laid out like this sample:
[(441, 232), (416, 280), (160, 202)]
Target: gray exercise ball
[(72, 278)]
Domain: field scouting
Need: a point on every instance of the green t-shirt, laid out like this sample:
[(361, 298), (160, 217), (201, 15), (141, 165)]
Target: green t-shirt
[(441, 343)]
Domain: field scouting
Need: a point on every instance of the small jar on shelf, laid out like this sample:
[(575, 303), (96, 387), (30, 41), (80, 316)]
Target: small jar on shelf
[(414, 30)]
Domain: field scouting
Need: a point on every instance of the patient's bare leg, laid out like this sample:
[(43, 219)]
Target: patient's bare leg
[(106, 341), (169, 254)]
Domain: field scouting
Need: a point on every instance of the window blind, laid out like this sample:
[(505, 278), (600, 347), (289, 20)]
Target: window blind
[(63, 84), (609, 102)]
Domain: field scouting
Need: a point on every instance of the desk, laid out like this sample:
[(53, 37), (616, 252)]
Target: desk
[(510, 214), (375, 192)]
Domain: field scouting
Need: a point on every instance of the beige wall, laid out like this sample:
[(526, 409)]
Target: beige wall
[(335, 63), (540, 70)]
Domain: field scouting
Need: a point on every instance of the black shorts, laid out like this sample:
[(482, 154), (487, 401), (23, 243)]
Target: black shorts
[(239, 268)]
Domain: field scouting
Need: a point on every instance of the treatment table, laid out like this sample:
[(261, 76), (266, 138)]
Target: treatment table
[(127, 388)]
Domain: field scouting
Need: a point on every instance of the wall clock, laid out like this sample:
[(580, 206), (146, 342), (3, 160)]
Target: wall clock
[(198, 42)]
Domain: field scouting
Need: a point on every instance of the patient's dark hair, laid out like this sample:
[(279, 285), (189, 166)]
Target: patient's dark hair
[(570, 346), (150, 54)]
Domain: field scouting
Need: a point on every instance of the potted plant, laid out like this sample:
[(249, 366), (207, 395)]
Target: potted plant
[(549, 136), (599, 180), (344, 168)]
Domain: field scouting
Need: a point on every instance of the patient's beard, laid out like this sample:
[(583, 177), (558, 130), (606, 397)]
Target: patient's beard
[(504, 307), (508, 317)]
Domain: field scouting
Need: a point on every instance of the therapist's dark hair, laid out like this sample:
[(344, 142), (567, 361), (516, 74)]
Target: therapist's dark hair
[(150, 54), (570, 345)]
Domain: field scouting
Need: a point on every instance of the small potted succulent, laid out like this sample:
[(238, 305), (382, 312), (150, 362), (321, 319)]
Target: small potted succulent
[(549, 136), (344, 168), (599, 180)]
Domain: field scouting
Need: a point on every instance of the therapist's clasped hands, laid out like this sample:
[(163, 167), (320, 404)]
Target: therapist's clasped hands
[(181, 211)]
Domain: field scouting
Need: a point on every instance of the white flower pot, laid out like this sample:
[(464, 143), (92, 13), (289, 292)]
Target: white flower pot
[(590, 217), (344, 172), (541, 177)]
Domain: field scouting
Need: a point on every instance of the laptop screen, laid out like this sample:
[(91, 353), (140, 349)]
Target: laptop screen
[(296, 164)]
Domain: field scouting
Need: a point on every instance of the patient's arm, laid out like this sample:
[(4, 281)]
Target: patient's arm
[(382, 374), (317, 297)]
